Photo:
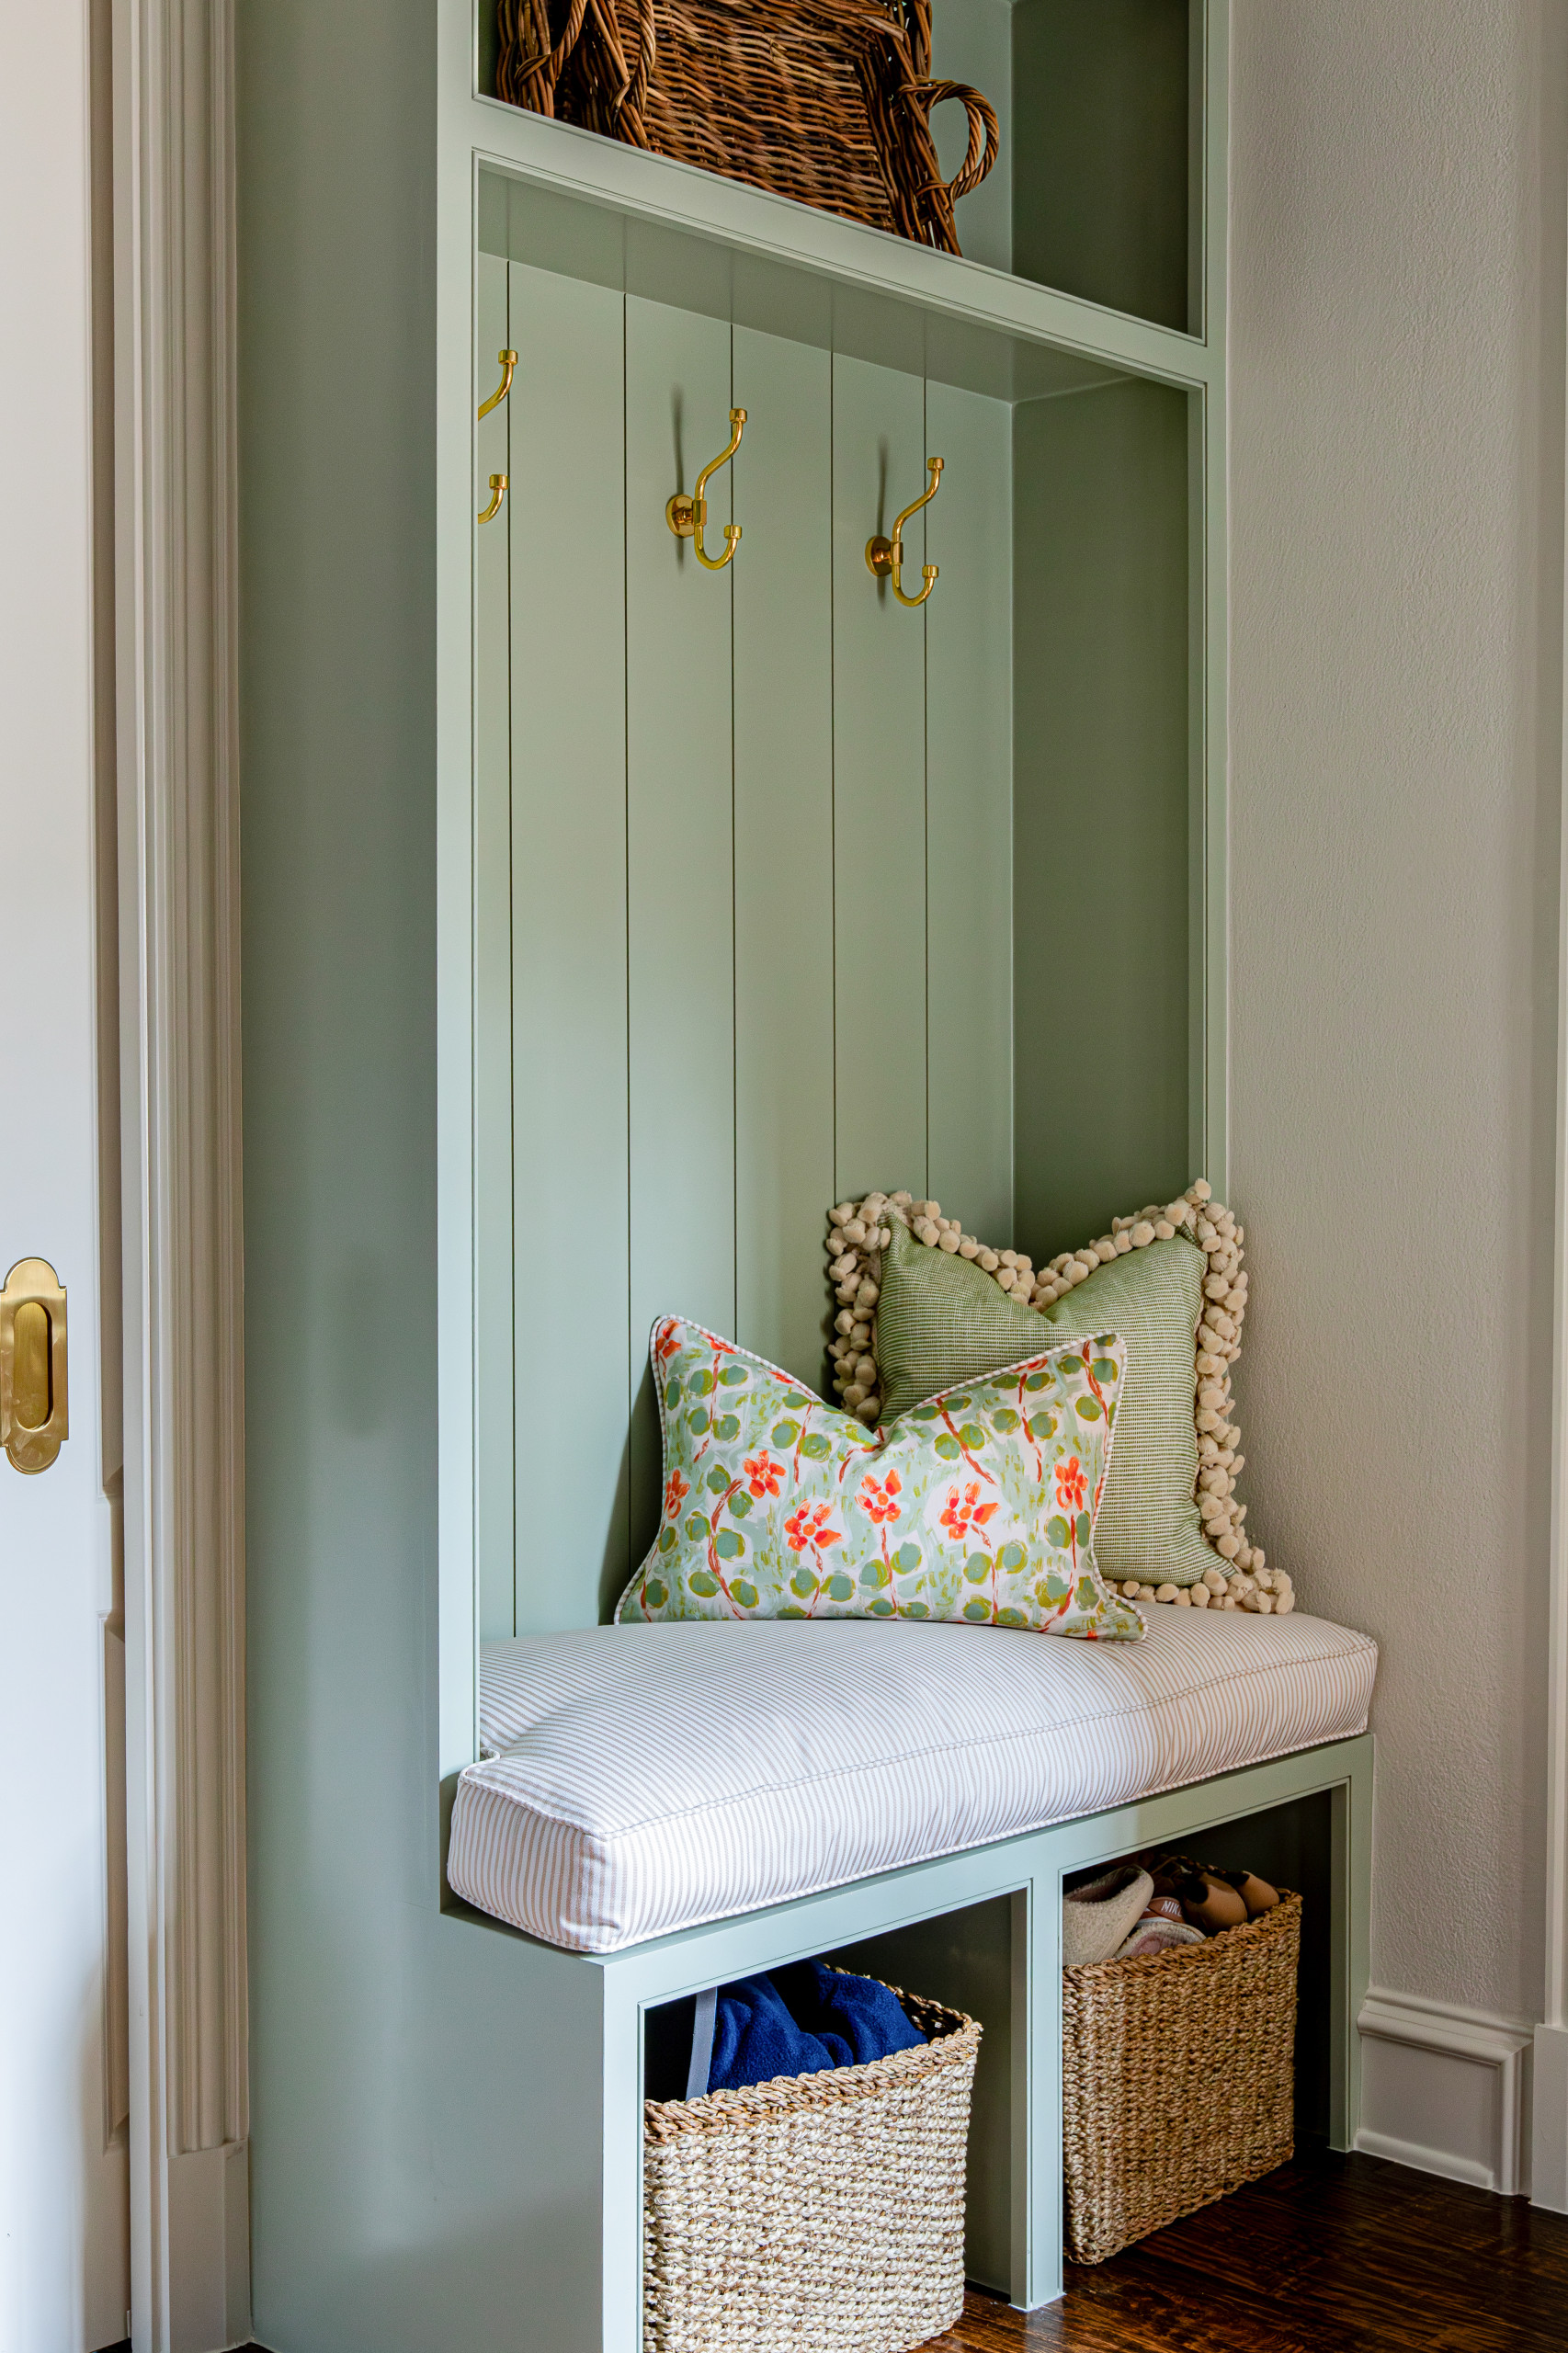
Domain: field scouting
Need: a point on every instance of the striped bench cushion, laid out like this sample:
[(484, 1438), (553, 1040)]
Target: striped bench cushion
[(645, 1779)]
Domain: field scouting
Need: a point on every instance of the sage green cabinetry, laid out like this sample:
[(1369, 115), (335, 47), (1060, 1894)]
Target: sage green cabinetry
[(604, 921)]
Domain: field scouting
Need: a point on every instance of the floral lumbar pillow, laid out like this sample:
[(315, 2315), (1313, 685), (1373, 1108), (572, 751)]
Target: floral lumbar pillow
[(979, 1505)]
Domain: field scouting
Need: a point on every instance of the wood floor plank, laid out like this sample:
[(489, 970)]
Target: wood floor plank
[(1330, 2254)]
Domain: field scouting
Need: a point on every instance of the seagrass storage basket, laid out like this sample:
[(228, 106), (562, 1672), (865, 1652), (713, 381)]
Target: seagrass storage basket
[(1178, 2079), (816, 2211), (828, 101)]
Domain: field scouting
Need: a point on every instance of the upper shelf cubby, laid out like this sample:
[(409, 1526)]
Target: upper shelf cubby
[(1098, 191)]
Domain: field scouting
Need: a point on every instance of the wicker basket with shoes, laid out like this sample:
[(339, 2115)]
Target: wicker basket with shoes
[(1178, 2079), (828, 101), (823, 2210)]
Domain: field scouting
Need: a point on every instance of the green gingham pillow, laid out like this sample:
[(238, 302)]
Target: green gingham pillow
[(942, 1319), (980, 1505)]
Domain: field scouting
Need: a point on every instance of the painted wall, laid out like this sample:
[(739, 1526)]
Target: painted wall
[(1396, 331)]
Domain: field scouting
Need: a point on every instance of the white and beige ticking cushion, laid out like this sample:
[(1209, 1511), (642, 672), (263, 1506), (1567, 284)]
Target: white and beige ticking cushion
[(979, 1505), (1174, 1530), (649, 1777)]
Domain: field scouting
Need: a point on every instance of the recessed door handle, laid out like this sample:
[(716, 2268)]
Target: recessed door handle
[(34, 1422)]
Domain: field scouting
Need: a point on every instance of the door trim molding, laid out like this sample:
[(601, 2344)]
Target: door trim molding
[(177, 670)]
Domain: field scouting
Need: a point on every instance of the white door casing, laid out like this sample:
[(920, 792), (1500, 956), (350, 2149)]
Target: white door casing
[(179, 860), (63, 2261)]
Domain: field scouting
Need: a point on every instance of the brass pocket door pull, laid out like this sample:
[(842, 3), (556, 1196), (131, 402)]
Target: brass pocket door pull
[(33, 1418)]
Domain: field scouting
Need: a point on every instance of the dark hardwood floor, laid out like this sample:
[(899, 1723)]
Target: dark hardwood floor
[(1331, 2255)]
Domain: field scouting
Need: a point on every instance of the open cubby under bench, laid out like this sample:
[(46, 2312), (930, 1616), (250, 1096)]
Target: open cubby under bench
[(640, 1776)]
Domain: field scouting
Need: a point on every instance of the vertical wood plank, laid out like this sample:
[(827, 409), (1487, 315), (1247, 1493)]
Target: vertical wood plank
[(783, 882), (680, 936), (493, 932), (1102, 804), (969, 709), (878, 727), (569, 946)]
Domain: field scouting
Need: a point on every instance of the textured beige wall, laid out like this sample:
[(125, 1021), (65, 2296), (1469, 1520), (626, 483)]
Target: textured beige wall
[(1397, 323)]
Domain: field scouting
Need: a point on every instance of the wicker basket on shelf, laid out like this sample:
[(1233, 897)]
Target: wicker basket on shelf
[(828, 101), (820, 2211), (1177, 2079)]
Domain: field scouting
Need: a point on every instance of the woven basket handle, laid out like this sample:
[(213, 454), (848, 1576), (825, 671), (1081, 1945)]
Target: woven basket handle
[(529, 63), (984, 132), (638, 75)]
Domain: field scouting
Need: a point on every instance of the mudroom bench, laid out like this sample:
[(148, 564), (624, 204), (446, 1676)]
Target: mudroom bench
[(659, 1810)]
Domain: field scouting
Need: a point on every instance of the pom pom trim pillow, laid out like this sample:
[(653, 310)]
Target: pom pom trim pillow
[(1235, 1574), (979, 1505)]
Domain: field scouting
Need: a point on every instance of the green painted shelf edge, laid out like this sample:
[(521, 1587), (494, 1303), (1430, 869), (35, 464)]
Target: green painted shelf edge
[(580, 166)]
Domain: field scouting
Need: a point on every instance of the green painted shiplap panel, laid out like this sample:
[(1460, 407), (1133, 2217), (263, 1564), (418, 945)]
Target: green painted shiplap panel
[(680, 839), (969, 743), (879, 729), (568, 880), (493, 977), (783, 878), (1101, 796)]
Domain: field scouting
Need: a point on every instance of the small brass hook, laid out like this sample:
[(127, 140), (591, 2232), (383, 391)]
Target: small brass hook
[(498, 491), (688, 518), (884, 558), (508, 360)]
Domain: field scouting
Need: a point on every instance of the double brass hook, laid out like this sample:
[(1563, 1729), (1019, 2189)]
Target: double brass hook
[(508, 362), (687, 516), (884, 558)]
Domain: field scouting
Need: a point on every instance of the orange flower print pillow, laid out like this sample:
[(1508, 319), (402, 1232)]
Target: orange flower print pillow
[(978, 1504)]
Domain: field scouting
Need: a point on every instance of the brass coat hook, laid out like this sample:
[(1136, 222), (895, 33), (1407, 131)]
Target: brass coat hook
[(508, 360), (498, 493), (884, 558), (687, 516)]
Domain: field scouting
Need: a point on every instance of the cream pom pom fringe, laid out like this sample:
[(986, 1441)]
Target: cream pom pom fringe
[(858, 1232)]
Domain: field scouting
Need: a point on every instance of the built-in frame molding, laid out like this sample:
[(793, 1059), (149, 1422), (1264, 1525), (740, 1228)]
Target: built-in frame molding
[(1549, 2090), (1549, 2082), (176, 695)]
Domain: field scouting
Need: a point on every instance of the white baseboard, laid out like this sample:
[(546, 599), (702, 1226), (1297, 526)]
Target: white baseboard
[(1446, 2090)]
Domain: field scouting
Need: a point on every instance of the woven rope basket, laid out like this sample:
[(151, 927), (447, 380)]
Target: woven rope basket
[(828, 101), (1178, 2079), (816, 2211)]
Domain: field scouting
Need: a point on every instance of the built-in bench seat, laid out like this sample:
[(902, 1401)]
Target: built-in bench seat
[(643, 1779)]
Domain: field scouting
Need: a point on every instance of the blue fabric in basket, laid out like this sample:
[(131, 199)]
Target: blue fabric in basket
[(799, 2020)]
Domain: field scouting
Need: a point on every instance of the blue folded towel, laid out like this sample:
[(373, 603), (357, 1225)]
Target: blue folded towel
[(799, 2020)]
